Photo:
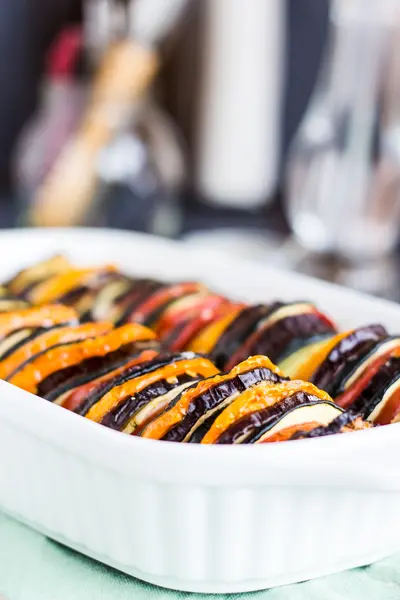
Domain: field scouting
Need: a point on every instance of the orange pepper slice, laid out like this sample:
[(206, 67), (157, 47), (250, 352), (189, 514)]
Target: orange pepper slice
[(62, 357), (160, 426), (261, 396), (48, 339), (57, 286), (313, 355), (39, 271), (198, 366), (44, 316), (205, 341)]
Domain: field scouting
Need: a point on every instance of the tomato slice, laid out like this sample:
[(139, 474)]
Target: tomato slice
[(188, 309), (349, 396), (163, 296), (77, 396), (189, 329)]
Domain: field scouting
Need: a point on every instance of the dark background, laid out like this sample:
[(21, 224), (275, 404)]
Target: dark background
[(27, 27)]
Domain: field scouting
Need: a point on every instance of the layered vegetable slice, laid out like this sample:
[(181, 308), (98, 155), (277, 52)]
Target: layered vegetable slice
[(60, 386), (150, 310), (234, 336), (75, 398), (188, 417), (207, 338), (130, 402), (45, 339), (44, 316), (26, 279), (178, 334), (32, 375), (268, 409), (103, 303), (9, 302), (344, 423), (68, 286), (329, 373), (284, 330)]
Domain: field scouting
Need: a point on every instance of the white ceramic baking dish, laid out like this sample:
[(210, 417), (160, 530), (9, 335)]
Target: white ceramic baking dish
[(194, 518)]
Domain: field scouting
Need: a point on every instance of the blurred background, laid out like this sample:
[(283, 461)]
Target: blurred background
[(267, 128)]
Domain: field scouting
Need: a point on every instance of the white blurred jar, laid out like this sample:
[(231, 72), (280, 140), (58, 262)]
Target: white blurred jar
[(238, 125)]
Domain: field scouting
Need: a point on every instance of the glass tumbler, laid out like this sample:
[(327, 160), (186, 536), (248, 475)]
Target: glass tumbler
[(343, 171)]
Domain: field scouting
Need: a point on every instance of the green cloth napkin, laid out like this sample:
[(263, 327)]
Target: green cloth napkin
[(35, 568)]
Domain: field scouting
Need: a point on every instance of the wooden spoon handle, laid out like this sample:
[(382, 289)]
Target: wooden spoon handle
[(66, 194)]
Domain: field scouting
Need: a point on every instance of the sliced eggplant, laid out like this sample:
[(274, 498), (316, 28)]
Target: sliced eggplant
[(284, 331), (58, 385), (34, 372), (134, 297), (40, 340), (204, 342), (133, 372), (259, 397), (194, 367), (362, 367), (344, 423), (75, 398), (329, 373), (198, 406), (136, 410), (303, 363), (299, 407), (238, 331), (379, 401)]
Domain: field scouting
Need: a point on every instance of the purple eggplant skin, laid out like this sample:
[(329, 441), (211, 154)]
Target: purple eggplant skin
[(208, 402), (348, 348), (64, 380), (238, 331), (119, 416), (251, 427), (335, 427), (285, 336), (373, 393), (131, 373), (138, 294), (354, 363)]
